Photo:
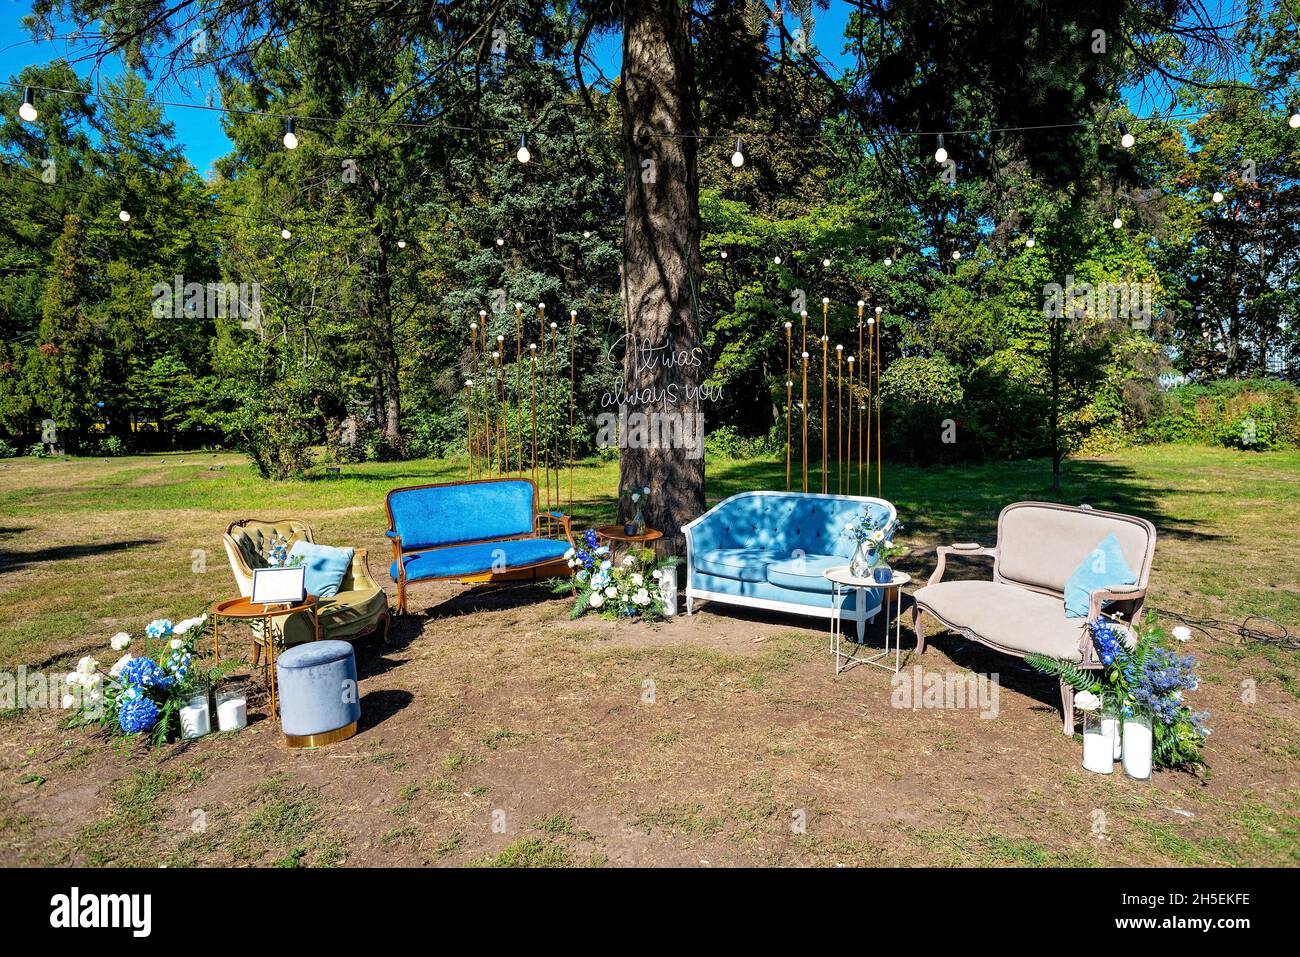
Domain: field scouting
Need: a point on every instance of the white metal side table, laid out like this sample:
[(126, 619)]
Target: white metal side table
[(840, 579)]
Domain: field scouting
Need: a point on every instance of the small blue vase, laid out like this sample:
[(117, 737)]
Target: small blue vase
[(883, 574)]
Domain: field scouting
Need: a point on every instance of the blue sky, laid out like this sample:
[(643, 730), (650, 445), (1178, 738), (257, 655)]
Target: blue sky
[(199, 131)]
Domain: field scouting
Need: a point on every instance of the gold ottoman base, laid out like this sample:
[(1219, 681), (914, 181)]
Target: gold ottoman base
[(320, 740)]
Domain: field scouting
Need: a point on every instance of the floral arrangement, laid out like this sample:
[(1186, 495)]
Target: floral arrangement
[(1145, 680), (635, 493), (142, 693), (632, 588), (278, 554), (875, 533)]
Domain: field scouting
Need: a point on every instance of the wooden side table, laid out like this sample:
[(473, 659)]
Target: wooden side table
[(241, 609), (614, 534)]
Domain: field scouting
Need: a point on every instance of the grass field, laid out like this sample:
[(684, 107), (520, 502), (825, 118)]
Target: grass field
[(493, 701)]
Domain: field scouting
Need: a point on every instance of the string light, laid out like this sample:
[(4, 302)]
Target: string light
[(1117, 222), (777, 260), (1029, 240), (586, 234), (889, 261), (285, 234), (738, 155), (401, 244), (500, 242), (956, 254), (941, 154), (290, 137), (723, 254), (123, 215), (1217, 197), (523, 154), (1294, 120), (27, 111), (1126, 139), (826, 264)]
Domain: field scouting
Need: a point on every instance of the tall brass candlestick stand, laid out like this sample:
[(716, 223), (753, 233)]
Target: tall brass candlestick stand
[(848, 485), (473, 416), (555, 459), (861, 304), (519, 392), (573, 318), (839, 420), (825, 432), (503, 446), (880, 459), (789, 389), (803, 409), (871, 395), (532, 405)]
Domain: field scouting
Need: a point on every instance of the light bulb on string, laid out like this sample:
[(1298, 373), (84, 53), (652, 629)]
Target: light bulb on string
[(941, 154), (1029, 240), (1217, 197), (500, 242), (27, 111), (777, 260), (826, 264), (401, 244), (1126, 138), (123, 215), (723, 254), (523, 154), (889, 261), (586, 234), (956, 254), (290, 137), (738, 155), (1293, 120), (285, 234), (1117, 222)]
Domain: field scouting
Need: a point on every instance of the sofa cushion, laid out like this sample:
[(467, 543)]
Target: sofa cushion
[(457, 560), (1016, 619), (1104, 566), (325, 565), (744, 564), (435, 515), (804, 573)]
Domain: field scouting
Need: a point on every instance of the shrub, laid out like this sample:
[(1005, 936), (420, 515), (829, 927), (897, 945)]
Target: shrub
[(7, 451), (112, 445), (1253, 414), (919, 394), (727, 442)]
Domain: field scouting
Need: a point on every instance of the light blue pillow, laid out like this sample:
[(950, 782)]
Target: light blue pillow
[(325, 566), (1102, 567)]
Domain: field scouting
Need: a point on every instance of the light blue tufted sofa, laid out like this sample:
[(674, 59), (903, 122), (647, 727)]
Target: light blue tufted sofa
[(768, 550)]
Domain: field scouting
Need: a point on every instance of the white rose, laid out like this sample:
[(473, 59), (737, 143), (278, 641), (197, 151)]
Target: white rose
[(611, 592), (120, 641), (68, 701), (1182, 633), (628, 560), (569, 553), (1087, 701), (176, 643), (657, 574), (73, 679), (87, 665), (646, 489), (121, 663), (636, 496), (596, 599), (638, 579)]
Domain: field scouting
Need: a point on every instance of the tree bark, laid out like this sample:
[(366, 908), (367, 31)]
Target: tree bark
[(663, 362)]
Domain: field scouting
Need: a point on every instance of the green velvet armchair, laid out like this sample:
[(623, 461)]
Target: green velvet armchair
[(359, 608)]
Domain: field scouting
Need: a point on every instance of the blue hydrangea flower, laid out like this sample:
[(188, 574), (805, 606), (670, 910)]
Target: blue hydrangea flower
[(590, 538), (145, 673), (1107, 639), (137, 715)]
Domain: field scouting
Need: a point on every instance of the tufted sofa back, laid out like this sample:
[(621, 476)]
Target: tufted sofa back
[(784, 521), (427, 516)]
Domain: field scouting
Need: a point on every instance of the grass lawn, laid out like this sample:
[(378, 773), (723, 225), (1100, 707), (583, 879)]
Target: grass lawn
[(496, 731)]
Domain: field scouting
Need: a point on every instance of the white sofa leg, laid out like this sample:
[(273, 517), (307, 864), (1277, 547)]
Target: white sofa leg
[(690, 603)]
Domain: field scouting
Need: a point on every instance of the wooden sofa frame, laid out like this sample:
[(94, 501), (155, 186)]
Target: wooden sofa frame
[(551, 566)]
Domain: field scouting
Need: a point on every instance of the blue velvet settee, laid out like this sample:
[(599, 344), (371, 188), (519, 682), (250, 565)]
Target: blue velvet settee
[(474, 531), (768, 550)]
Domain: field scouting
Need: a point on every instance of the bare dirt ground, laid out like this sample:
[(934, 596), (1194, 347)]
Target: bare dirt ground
[(497, 731)]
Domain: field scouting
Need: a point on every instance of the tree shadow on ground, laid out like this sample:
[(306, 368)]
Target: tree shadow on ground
[(14, 560), (378, 706)]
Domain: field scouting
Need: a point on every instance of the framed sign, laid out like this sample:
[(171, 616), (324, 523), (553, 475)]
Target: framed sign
[(274, 586)]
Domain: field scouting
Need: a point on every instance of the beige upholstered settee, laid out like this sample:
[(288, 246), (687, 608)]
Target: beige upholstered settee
[(1022, 609)]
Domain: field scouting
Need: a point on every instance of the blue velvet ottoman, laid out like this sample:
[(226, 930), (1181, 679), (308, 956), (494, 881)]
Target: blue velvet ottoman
[(319, 701)]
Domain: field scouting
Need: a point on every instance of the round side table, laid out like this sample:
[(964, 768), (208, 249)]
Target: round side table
[(840, 579), (241, 609), (614, 534)]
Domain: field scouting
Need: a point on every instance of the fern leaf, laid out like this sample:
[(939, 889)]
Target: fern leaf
[(1067, 671)]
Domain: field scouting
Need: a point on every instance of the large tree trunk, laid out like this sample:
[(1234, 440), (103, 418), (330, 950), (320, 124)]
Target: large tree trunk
[(662, 367)]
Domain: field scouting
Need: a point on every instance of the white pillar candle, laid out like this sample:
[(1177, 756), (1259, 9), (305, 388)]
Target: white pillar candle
[(195, 720), (1111, 722), (1098, 745), (232, 711), (669, 585), (1137, 748)]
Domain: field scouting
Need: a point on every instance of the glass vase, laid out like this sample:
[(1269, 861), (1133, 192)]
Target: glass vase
[(1098, 742), (1137, 746), (862, 560), (638, 520)]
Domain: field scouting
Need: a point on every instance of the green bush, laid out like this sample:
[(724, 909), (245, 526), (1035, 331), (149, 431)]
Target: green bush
[(111, 446), (727, 442), (1253, 414), (920, 399), (7, 450)]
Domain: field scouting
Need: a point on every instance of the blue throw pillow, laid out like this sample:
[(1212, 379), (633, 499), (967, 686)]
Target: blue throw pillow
[(325, 566), (1102, 567)]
